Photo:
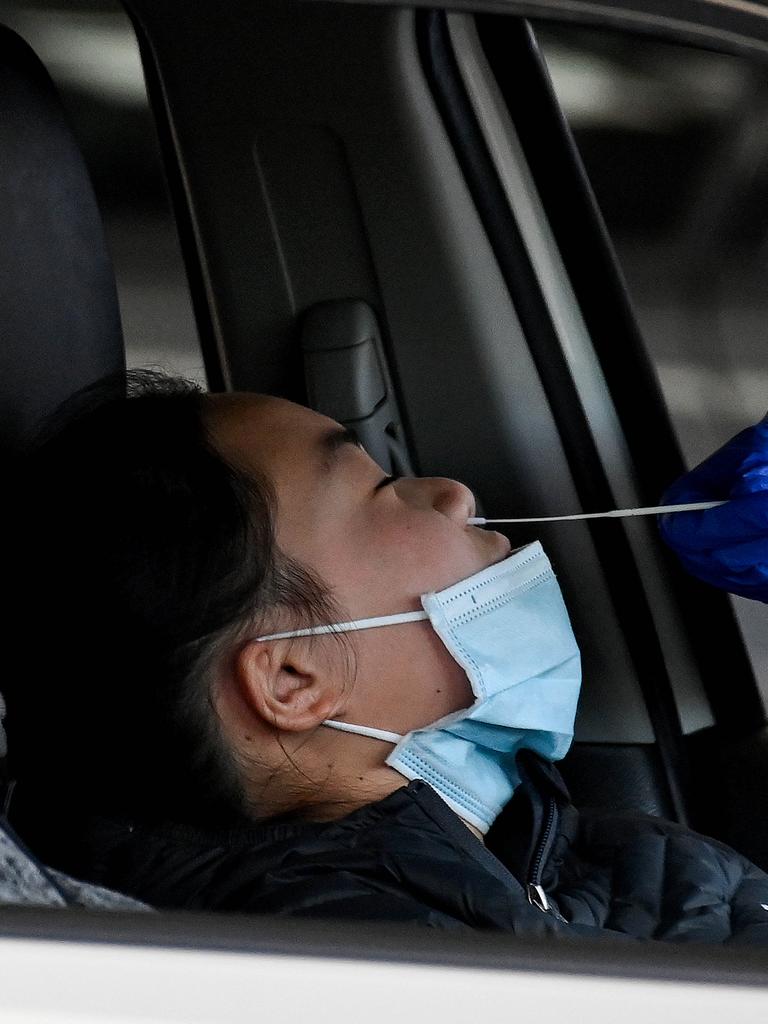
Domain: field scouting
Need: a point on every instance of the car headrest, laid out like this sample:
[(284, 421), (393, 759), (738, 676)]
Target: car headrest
[(59, 318)]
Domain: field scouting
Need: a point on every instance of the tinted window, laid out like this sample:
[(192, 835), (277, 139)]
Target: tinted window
[(673, 140)]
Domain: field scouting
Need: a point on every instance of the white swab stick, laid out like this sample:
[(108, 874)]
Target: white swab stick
[(616, 513)]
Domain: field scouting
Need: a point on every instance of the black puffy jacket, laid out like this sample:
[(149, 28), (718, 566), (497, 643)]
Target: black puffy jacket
[(410, 858)]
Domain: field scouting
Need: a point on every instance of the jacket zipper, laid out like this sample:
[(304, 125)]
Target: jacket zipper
[(533, 887)]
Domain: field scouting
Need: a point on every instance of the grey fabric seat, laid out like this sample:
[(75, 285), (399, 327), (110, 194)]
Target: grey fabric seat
[(26, 882), (59, 330), (59, 317)]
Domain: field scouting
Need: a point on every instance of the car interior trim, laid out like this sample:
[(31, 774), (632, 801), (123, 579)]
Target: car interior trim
[(564, 399)]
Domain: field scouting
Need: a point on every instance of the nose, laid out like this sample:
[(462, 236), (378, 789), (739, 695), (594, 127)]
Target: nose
[(448, 497)]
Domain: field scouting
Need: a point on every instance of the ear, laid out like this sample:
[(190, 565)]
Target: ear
[(284, 685)]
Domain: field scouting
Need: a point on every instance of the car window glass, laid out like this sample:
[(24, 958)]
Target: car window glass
[(673, 140), (91, 52)]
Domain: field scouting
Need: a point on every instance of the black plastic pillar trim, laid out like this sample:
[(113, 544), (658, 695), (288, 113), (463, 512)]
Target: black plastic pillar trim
[(209, 346)]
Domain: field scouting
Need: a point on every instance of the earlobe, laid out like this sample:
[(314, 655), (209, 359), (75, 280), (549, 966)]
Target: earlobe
[(284, 686)]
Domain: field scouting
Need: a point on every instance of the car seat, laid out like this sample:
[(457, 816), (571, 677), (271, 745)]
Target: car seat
[(59, 318), (59, 330)]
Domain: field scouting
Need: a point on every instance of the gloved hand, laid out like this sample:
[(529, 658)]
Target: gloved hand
[(726, 546)]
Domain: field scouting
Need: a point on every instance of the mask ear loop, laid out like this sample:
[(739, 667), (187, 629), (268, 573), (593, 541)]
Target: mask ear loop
[(616, 513), (364, 730), (347, 627)]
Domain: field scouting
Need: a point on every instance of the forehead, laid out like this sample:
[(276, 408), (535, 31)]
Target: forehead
[(266, 433)]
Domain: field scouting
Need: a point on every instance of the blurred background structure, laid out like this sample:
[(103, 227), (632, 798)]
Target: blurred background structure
[(675, 144)]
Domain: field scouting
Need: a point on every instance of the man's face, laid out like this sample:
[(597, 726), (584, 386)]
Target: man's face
[(378, 544)]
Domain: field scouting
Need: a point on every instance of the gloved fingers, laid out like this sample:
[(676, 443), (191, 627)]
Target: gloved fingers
[(740, 568), (726, 546), (710, 529), (720, 475), (746, 559), (753, 475)]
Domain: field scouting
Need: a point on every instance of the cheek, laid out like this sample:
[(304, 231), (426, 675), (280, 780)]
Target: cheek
[(424, 545), (382, 562), (407, 679), (428, 559)]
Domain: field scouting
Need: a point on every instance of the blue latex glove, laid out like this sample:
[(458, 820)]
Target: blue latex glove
[(726, 546)]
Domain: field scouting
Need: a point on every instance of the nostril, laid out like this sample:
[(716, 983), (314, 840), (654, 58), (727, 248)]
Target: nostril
[(455, 500), (448, 497)]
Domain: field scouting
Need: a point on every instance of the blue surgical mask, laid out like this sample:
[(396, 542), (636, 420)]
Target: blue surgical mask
[(508, 628)]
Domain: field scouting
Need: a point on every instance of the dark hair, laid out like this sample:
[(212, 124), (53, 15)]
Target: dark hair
[(139, 552)]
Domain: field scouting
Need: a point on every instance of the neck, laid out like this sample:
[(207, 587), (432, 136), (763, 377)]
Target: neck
[(343, 796), (344, 773), (333, 801)]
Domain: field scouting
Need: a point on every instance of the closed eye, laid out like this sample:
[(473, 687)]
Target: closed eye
[(333, 443), (387, 480)]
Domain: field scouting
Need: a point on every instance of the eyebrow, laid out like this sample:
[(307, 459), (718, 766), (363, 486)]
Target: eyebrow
[(333, 442)]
